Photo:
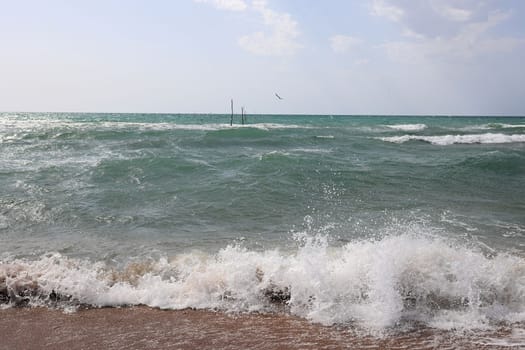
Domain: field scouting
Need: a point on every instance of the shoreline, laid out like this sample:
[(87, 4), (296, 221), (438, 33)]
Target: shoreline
[(142, 327)]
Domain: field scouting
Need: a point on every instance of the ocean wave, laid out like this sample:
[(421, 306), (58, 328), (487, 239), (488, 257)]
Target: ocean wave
[(407, 127), (311, 150), (504, 126), (444, 140), (272, 155), (374, 285), (489, 126), (10, 124), (293, 152)]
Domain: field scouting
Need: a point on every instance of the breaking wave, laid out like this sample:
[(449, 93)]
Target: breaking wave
[(20, 125), (444, 140), (490, 126), (407, 127), (503, 126), (373, 284)]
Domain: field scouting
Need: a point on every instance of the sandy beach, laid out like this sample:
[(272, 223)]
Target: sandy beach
[(147, 328)]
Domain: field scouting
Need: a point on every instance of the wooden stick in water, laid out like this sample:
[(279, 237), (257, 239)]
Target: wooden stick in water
[(231, 119)]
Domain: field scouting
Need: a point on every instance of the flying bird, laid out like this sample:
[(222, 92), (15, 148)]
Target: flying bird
[(279, 97)]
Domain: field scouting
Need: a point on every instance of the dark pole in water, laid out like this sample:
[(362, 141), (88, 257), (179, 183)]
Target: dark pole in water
[(231, 120), (242, 115)]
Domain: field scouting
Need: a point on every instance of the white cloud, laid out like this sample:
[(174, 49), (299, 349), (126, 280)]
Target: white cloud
[(472, 40), (439, 31), (382, 9), (432, 18), (344, 43), (229, 5), (279, 39), (280, 36), (454, 13), (411, 34)]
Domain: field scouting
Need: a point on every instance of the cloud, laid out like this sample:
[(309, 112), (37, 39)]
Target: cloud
[(473, 40), (383, 9), (229, 5), (443, 31), (280, 37), (343, 43), (454, 13), (432, 18), (281, 30)]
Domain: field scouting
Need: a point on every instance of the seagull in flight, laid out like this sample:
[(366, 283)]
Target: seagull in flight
[(279, 97)]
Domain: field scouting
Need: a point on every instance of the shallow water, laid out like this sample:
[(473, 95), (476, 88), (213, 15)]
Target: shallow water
[(140, 327)]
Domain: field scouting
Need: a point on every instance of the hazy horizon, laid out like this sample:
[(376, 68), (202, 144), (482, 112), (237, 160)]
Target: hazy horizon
[(278, 114)]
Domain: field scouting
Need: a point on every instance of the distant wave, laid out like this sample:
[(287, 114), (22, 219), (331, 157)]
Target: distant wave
[(373, 284), (260, 126), (311, 150), (293, 152), (273, 155), (490, 126), (504, 126), (10, 124), (11, 132), (444, 140), (407, 127)]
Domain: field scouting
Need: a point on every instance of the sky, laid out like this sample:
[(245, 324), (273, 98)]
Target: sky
[(437, 57)]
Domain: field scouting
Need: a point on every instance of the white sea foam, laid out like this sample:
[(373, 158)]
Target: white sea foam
[(311, 150), (201, 127), (271, 154), (291, 152), (444, 140), (372, 284), (13, 124), (510, 126), (407, 127), (502, 126), (489, 126)]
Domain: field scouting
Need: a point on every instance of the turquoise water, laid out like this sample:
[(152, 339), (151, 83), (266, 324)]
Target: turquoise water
[(112, 189), (175, 182)]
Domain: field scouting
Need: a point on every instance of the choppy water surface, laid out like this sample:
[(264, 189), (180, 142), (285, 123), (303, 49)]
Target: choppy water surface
[(376, 221)]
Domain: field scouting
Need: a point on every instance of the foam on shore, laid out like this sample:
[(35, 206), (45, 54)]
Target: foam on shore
[(374, 284)]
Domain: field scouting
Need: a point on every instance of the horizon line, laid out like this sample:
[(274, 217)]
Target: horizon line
[(281, 114)]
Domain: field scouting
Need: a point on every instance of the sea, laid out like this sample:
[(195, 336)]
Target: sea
[(378, 223)]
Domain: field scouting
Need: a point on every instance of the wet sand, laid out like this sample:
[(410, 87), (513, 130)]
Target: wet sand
[(147, 328)]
